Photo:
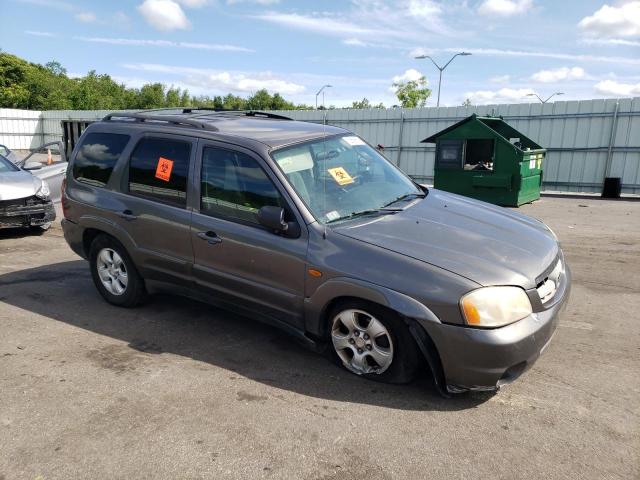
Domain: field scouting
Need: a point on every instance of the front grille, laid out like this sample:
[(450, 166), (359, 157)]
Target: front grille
[(14, 220), (548, 286), (22, 202)]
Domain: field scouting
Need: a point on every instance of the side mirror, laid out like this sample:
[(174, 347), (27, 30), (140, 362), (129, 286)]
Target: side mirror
[(32, 166), (272, 217)]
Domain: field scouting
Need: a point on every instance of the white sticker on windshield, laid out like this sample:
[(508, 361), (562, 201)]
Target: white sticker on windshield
[(332, 215), (354, 141)]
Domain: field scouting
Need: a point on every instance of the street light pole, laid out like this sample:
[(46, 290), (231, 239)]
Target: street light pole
[(547, 99), (421, 57), (319, 92)]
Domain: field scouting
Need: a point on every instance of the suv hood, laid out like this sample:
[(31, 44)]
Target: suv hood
[(487, 244), (20, 184)]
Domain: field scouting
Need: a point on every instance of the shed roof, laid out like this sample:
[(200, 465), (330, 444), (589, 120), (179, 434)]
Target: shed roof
[(496, 125)]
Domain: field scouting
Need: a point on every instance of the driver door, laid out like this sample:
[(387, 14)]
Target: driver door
[(54, 166), (237, 260)]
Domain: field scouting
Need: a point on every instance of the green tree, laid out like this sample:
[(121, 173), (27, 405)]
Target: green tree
[(185, 99), (364, 103), (233, 102), (173, 98), (56, 68), (47, 87), (413, 93), (151, 96), (261, 100), (467, 103), (279, 103)]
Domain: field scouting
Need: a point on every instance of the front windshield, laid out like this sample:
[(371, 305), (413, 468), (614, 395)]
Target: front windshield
[(6, 166), (339, 177)]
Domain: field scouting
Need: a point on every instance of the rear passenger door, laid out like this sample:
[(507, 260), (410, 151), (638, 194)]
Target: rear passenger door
[(153, 191), (237, 259)]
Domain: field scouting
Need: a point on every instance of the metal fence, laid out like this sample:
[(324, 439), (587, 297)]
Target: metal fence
[(586, 140)]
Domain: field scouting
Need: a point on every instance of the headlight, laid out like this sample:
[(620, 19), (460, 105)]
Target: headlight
[(495, 306), (43, 192)]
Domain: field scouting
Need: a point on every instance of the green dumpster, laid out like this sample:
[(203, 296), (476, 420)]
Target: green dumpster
[(487, 159)]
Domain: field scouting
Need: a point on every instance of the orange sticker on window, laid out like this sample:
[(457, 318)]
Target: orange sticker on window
[(340, 175), (163, 170)]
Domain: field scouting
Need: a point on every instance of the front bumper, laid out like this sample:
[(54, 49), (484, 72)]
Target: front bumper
[(25, 212), (486, 359)]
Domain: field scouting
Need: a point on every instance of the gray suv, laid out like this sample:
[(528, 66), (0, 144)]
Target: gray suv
[(310, 229)]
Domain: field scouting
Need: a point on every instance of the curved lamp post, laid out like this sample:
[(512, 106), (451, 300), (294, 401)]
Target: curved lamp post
[(421, 57), (547, 99), (319, 92)]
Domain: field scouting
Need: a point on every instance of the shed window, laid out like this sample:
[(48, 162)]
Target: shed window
[(479, 154), (449, 154)]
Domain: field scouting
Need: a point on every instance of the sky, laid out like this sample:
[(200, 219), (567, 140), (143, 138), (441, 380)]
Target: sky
[(585, 49)]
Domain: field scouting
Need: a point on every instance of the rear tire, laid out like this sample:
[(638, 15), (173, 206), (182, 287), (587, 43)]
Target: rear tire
[(114, 273), (372, 341)]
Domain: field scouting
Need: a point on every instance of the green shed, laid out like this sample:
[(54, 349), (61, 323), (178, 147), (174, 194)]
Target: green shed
[(487, 159)]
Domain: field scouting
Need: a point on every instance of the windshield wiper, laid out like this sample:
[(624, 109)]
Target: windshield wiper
[(405, 197), (361, 213)]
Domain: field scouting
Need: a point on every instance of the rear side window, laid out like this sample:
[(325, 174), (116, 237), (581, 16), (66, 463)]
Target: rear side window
[(235, 186), (97, 155), (158, 170)]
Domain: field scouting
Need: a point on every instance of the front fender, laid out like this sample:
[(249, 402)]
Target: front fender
[(340, 287)]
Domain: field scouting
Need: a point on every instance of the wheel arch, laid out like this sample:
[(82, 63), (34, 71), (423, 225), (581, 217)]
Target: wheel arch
[(340, 289), (412, 312), (94, 226)]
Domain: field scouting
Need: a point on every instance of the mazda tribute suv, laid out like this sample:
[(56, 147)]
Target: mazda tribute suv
[(308, 228)]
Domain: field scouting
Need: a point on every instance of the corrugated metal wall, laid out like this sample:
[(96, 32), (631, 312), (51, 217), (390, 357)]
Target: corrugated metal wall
[(586, 140), (580, 137)]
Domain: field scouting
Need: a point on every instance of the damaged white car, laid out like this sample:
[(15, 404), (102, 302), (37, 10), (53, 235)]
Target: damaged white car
[(25, 200)]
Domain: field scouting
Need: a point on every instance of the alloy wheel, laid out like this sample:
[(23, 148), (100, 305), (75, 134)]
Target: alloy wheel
[(112, 271), (362, 342)]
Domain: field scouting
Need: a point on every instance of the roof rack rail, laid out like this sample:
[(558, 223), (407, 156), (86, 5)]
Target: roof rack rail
[(248, 113), (172, 119)]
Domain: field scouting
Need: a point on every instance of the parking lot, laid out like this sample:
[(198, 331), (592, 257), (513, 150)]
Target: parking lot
[(177, 389)]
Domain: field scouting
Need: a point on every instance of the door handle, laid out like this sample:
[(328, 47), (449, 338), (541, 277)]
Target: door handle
[(211, 237), (127, 215)]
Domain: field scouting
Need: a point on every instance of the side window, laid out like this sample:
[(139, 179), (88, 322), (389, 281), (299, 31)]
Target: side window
[(158, 170), (96, 157), (233, 185)]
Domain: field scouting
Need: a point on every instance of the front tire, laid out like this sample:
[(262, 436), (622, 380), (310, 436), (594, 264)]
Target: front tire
[(371, 341), (114, 274)]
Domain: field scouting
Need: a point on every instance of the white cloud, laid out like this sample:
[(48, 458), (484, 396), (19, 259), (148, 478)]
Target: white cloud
[(86, 17), (408, 76), (164, 15), (37, 33), (320, 24), (611, 42), (611, 87), (500, 79), (497, 52), (504, 95), (504, 8), (614, 21), (559, 75), (223, 81), (193, 3), (424, 9), (165, 43), (355, 42), (259, 2)]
